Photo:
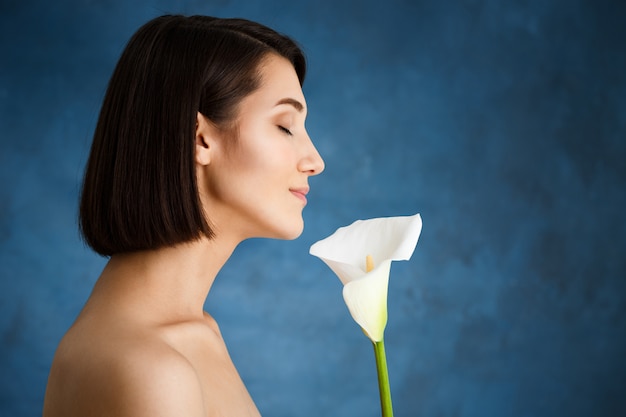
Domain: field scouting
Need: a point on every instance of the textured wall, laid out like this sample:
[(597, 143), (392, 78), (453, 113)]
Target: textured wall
[(503, 123)]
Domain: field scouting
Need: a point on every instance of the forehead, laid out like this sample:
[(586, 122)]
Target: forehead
[(279, 81)]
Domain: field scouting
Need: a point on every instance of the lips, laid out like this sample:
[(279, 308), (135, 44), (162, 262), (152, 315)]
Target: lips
[(300, 193)]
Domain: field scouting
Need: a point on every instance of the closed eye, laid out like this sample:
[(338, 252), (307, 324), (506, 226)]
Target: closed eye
[(287, 131)]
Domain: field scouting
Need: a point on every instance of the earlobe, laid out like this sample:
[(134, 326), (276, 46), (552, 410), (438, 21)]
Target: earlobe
[(203, 136)]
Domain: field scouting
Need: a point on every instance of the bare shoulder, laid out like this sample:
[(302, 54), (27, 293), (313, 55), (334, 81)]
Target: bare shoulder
[(119, 367), (155, 380), (134, 376)]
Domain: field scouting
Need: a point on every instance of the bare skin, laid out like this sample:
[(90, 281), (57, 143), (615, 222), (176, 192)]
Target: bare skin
[(143, 346)]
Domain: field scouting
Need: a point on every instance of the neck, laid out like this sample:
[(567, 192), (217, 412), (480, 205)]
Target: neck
[(165, 285)]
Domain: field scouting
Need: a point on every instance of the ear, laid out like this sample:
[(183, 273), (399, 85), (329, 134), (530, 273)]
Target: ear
[(205, 134)]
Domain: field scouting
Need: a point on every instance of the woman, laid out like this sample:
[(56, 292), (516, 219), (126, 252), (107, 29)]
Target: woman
[(200, 144)]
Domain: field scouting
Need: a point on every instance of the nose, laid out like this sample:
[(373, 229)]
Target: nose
[(311, 162)]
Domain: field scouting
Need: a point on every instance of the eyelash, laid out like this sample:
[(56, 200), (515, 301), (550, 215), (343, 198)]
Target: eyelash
[(287, 131)]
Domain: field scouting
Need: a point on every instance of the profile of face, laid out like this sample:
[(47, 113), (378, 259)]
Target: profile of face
[(256, 185)]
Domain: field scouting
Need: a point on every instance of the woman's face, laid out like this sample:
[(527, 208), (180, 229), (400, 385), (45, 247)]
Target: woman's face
[(257, 186)]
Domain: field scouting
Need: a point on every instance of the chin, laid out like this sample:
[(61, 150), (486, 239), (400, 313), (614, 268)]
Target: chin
[(289, 234), (294, 236), (292, 232)]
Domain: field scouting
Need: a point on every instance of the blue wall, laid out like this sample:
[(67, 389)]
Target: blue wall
[(503, 123)]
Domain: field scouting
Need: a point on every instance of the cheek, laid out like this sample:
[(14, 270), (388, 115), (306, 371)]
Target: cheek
[(263, 154)]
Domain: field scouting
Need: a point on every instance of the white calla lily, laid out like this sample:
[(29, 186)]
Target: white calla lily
[(365, 292)]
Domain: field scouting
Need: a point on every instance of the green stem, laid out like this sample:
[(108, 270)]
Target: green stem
[(383, 379)]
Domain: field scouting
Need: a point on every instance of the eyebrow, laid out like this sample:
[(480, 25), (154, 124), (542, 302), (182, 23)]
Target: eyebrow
[(295, 103)]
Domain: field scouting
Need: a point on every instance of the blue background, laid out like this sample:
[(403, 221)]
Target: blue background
[(502, 122)]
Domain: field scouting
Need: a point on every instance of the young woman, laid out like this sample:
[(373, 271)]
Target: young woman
[(200, 144)]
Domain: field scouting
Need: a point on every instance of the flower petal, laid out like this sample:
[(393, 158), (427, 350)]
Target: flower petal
[(392, 238), (366, 299)]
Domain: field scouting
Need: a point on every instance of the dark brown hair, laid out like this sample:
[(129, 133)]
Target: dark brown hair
[(139, 190)]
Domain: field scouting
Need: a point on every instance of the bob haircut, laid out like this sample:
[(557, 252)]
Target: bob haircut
[(139, 190)]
